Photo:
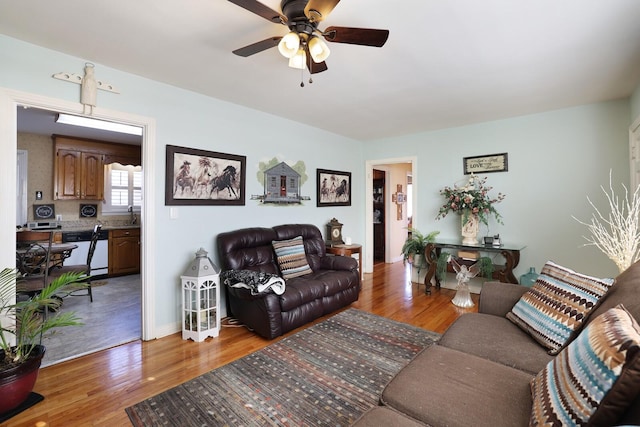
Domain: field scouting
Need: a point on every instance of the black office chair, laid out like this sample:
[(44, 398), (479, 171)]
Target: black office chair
[(81, 268), (33, 260)]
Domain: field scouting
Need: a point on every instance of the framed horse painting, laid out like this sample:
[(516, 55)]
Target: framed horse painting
[(200, 177), (334, 188)]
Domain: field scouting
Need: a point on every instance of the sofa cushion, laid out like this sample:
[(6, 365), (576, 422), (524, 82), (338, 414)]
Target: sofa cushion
[(291, 257), (557, 305), (625, 291), (385, 416), (300, 292), (497, 339), (441, 386), (594, 379), (248, 249)]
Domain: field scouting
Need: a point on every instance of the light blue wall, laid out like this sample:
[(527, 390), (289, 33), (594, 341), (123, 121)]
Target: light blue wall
[(556, 160), (192, 120)]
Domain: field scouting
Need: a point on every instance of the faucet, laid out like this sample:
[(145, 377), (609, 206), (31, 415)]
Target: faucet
[(133, 217)]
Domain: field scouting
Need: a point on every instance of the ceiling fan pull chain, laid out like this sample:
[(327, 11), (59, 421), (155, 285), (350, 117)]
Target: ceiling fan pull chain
[(301, 77)]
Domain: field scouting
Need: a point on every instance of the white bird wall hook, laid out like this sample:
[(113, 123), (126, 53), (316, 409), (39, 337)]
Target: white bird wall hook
[(88, 86)]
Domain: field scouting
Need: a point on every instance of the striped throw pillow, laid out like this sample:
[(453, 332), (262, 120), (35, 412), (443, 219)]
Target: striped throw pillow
[(291, 257), (557, 305), (594, 380)]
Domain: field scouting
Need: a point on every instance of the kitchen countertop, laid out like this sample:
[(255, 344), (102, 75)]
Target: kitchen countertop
[(89, 227)]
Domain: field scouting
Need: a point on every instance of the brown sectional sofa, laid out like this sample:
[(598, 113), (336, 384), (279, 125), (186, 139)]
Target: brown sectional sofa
[(479, 372), (333, 283)]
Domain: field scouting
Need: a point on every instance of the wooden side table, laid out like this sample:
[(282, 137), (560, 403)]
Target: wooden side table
[(347, 250)]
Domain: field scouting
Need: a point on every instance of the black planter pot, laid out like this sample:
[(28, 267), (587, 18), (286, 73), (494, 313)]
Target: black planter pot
[(17, 383)]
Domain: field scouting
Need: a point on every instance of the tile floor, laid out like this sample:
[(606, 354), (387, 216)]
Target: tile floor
[(113, 318)]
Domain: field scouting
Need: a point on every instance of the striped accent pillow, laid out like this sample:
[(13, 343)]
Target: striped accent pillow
[(557, 305), (595, 379), (291, 257)]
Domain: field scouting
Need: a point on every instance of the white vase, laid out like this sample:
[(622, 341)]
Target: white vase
[(470, 229)]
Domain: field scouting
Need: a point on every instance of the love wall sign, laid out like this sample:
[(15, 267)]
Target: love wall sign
[(485, 164)]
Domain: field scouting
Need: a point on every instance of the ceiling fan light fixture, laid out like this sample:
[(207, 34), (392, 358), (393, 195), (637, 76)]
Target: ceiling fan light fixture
[(318, 49), (299, 60), (289, 45)]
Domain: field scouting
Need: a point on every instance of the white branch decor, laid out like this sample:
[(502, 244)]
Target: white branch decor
[(617, 236)]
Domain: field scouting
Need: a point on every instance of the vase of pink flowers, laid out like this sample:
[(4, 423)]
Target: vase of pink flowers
[(473, 203)]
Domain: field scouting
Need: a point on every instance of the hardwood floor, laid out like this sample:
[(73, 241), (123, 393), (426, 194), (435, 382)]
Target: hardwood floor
[(95, 389)]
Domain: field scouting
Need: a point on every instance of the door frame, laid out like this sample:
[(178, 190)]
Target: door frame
[(634, 154), (10, 101), (379, 164)]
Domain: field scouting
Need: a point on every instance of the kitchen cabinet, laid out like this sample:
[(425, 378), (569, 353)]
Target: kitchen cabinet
[(124, 251), (79, 166), (78, 175)]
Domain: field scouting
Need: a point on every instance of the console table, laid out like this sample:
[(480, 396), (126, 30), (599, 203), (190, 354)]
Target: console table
[(504, 273)]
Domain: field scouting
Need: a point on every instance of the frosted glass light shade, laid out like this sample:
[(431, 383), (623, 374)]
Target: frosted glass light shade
[(289, 45), (299, 60), (318, 49)]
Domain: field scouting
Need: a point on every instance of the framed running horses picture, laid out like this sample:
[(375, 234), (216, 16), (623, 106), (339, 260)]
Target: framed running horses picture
[(334, 188), (199, 177)]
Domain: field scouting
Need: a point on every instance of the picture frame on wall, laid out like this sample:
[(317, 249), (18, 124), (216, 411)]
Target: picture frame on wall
[(485, 164), (201, 177), (334, 188)]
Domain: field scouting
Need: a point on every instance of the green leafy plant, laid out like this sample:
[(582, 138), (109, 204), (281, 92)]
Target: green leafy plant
[(416, 243), (441, 265), (486, 267), (26, 321)]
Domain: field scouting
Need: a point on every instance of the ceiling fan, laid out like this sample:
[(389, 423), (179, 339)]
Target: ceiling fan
[(304, 44)]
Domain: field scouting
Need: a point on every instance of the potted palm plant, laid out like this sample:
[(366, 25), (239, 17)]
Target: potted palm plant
[(23, 323), (413, 248)]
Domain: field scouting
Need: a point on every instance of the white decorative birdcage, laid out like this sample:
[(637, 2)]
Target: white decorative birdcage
[(200, 299)]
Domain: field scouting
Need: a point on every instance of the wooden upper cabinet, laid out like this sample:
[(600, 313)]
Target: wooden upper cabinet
[(79, 166), (66, 185), (78, 175), (91, 182)]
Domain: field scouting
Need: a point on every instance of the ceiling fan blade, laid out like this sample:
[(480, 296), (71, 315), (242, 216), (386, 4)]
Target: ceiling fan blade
[(360, 36), (317, 10), (261, 10), (257, 47), (315, 67)]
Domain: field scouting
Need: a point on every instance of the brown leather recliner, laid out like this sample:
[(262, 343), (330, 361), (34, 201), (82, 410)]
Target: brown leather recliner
[(333, 284)]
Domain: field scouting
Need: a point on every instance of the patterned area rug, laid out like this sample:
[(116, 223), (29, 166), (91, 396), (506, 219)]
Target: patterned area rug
[(326, 375)]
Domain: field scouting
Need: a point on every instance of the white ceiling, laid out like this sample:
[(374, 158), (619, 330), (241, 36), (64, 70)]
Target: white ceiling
[(446, 63)]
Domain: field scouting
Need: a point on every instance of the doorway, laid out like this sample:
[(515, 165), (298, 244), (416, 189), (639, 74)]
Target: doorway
[(113, 316), (393, 228), (10, 101)]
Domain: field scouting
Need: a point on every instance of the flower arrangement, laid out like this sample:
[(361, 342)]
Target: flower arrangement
[(472, 198)]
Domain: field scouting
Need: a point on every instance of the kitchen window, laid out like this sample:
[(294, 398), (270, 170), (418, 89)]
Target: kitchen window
[(122, 188)]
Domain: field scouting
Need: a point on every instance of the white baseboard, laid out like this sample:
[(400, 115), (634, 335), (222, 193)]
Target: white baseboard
[(166, 330)]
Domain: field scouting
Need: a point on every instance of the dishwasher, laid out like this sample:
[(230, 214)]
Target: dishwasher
[(100, 261)]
